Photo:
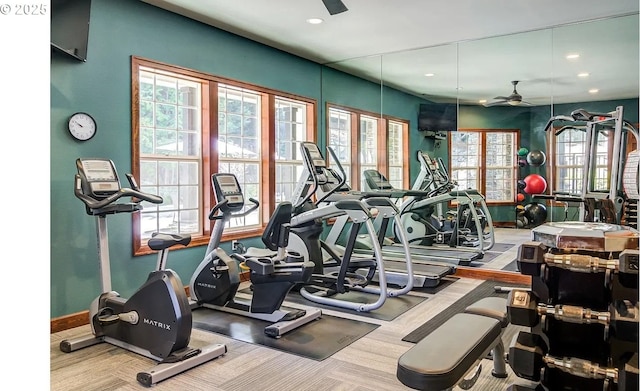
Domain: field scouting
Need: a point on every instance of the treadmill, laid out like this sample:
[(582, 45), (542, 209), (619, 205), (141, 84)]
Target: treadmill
[(426, 274)]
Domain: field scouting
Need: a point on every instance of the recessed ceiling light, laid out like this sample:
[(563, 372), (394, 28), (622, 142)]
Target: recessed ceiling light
[(593, 91), (482, 101), (583, 74), (315, 20), (572, 56), (429, 74)]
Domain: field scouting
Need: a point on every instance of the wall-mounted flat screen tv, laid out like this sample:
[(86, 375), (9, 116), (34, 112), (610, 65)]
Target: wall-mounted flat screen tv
[(70, 27), (438, 117)]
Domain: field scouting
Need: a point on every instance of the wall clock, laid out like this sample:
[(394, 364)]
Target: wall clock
[(82, 126)]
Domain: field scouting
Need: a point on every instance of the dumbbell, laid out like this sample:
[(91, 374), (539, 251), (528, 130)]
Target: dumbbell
[(529, 358), (531, 255), (622, 318)]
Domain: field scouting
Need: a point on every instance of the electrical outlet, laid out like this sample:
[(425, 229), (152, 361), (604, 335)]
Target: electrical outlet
[(234, 245)]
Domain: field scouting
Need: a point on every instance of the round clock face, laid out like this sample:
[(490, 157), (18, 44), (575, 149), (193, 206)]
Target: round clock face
[(82, 126)]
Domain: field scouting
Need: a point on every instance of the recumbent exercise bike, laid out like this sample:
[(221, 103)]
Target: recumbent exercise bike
[(273, 271)]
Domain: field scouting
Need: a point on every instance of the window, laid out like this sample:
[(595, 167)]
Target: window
[(569, 151), (364, 141), (239, 138), (398, 175), (567, 160), (187, 125), (485, 160), (291, 119), (170, 151), (368, 148), (339, 138)]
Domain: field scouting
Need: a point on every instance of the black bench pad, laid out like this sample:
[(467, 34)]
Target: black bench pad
[(442, 358), (493, 307)]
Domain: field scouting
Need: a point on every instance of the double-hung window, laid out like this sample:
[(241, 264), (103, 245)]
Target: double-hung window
[(291, 130), (567, 160), (485, 160), (366, 141), (239, 139), (170, 153), (187, 125)]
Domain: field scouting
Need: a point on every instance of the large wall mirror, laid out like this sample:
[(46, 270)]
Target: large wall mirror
[(592, 65), (350, 109)]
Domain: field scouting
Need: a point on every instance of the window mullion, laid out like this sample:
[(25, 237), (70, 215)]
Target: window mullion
[(355, 148), (268, 156)]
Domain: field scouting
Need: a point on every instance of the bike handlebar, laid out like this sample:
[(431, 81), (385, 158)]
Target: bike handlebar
[(216, 208), (93, 203)]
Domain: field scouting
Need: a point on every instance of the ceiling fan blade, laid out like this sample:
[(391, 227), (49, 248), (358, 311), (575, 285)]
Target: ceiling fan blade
[(505, 98), (335, 6), (498, 103)]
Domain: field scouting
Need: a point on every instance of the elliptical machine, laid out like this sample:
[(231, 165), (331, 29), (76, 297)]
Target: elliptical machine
[(215, 281), (156, 320), (470, 227)]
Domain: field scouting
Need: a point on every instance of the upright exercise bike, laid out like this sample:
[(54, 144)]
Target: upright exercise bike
[(156, 320), (273, 273)]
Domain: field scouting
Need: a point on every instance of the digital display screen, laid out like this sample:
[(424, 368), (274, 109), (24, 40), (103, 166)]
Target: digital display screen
[(99, 170), (227, 184)]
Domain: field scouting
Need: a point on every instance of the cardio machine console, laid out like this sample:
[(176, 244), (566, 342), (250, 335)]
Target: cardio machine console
[(314, 154), (434, 170), (226, 187), (99, 177), (376, 181)]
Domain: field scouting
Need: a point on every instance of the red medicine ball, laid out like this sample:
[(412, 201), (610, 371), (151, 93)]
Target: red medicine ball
[(535, 184)]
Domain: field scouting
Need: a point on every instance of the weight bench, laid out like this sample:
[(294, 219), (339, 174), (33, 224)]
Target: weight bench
[(442, 359), (496, 308)]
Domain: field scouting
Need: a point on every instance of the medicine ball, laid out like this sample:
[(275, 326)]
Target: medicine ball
[(536, 213), (536, 158), (535, 184)]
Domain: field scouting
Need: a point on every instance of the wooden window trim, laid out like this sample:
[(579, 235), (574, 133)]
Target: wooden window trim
[(482, 165), (382, 144), (209, 149)]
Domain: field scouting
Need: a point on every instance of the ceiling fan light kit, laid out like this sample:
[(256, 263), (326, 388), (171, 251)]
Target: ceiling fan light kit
[(515, 99)]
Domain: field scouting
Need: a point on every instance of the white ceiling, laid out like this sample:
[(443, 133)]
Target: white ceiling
[(474, 47)]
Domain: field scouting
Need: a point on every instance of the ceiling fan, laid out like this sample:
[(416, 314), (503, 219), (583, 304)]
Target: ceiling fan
[(514, 99), (335, 6)]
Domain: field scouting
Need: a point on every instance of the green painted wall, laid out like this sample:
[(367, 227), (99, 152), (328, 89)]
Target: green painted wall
[(102, 87)]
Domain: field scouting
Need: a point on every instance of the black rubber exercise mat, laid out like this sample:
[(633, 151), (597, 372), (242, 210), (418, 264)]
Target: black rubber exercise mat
[(488, 256), (444, 282), (391, 309), (316, 340), (486, 289), (501, 247)]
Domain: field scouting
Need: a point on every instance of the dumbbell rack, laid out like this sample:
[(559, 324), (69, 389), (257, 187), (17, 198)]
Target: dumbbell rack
[(582, 308)]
